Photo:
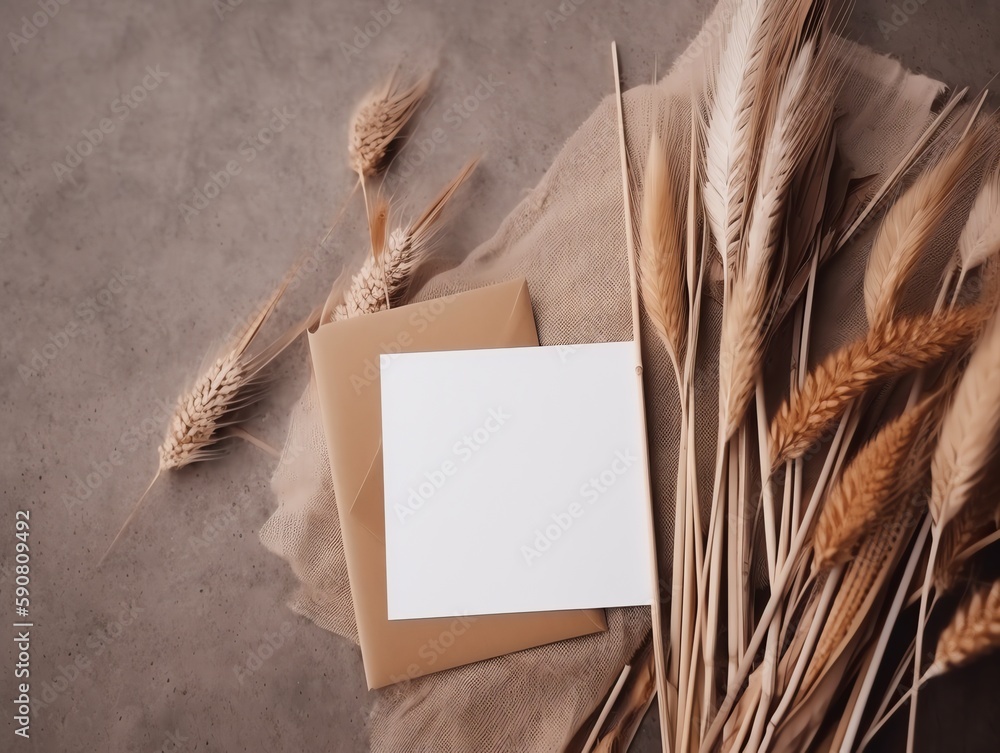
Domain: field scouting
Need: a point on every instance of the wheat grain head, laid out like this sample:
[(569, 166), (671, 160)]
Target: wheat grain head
[(973, 632), (980, 239), (737, 112), (896, 347), (384, 279), (379, 119), (974, 522), (661, 250), (874, 484), (802, 111)]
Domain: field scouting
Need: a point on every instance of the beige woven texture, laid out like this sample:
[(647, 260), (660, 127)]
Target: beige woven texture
[(567, 238)]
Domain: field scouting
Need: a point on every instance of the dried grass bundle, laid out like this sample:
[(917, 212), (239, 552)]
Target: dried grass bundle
[(661, 251), (800, 117), (879, 479), (973, 632), (898, 346)]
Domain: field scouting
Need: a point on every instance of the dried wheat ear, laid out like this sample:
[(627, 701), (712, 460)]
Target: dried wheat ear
[(210, 406), (379, 119), (973, 632), (892, 349), (384, 279)]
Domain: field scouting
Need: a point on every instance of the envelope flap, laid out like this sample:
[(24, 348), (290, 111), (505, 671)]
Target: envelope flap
[(346, 359), (371, 516)]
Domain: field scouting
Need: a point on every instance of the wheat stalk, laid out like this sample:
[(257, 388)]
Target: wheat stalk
[(384, 279), (874, 484), (661, 251), (908, 228), (232, 382), (379, 119), (377, 122), (973, 631), (894, 348), (968, 430)]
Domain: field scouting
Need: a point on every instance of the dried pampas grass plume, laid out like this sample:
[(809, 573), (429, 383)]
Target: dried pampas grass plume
[(661, 251), (980, 240), (974, 631), (736, 114), (384, 279), (968, 431), (896, 347), (801, 114), (379, 119), (875, 483), (909, 226), (203, 413)]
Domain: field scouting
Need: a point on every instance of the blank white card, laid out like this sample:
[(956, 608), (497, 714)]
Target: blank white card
[(514, 481)]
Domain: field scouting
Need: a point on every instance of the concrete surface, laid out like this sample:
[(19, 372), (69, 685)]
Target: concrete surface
[(113, 292)]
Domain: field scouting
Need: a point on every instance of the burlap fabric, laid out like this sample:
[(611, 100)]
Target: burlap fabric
[(567, 238)]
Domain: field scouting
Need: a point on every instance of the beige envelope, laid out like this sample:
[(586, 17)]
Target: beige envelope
[(345, 356)]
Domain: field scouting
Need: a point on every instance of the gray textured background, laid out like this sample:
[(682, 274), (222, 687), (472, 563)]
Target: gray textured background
[(204, 595)]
